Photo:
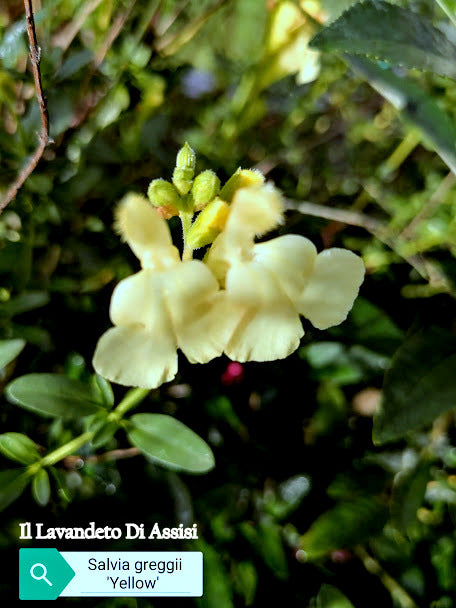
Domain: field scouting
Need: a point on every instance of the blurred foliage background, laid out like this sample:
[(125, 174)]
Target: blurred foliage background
[(302, 507)]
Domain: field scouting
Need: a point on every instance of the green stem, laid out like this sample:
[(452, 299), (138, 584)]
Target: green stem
[(131, 399), (186, 220), (448, 8), (403, 150), (396, 591), (66, 450)]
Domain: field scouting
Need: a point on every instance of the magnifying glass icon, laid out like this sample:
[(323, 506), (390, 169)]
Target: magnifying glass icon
[(40, 577)]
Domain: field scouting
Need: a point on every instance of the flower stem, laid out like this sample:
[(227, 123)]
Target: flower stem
[(67, 449), (131, 399), (186, 220)]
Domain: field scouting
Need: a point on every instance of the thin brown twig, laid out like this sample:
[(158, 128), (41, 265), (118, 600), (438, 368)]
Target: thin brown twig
[(114, 31), (65, 37), (72, 462), (377, 229), (428, 209), (35, 58), (92, 98), (115, 455)]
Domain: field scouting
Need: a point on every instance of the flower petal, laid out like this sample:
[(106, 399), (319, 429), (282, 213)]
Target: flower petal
[(197, 311), (133, 356), (265, 324), (146, 232), (290, 258), (138, 300), (332, 288), (254, 210)]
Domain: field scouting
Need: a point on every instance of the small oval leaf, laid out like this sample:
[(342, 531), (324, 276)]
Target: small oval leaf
[(41, 488), (9, 350), (52, 395), (102, 387), (170, 443), (12, 484), (19, 447)]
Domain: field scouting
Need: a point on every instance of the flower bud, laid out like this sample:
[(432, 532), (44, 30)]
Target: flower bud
[(242, 178), (208, 225), (163, 194), (185, 169), (205, 188)]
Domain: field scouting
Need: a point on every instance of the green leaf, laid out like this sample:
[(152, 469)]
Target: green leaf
[(170, 443), (289, 496), (102, 387), (52, 395), (416, 107), (391, 33), (331, 597), (408, 495), (9, 350), (24, 303), (74, 63), (217, 590), (443, 554), (19, 448), (419, 386), (344, 526), (245, 581), (12, 484), (41, 488), (266, 539), (104, 434)]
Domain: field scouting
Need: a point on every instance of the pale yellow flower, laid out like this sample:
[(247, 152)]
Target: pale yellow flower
[(268, 285), (290, 31), (168, 305)]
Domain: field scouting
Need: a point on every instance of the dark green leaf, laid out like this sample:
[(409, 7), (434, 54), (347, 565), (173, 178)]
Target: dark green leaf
[(104, 434), (217, 590), (289, 496), (170, 443), (443, 554), (331, 597), (19, 447), (408, 495), (419, 386), (52, 395), (245, 581), (9, 350), (73, 64), (41, 488), (266, 539), (385, 31), (12, 484), (344, 526), (23, 303), (416, 107)]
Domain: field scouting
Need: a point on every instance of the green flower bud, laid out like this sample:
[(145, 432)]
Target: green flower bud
[(163, 194), (185, 169), (205, 188), (242, 178), (209, 224)]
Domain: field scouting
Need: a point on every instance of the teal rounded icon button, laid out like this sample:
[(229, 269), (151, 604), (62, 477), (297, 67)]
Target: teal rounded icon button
[(43, 574)]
